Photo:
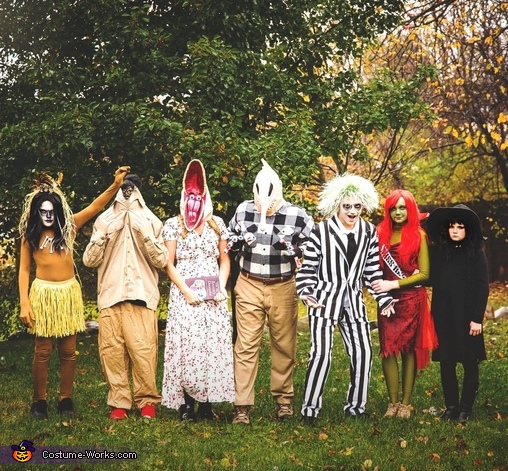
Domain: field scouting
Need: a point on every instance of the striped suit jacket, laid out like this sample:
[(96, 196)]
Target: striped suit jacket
[(327, 276)]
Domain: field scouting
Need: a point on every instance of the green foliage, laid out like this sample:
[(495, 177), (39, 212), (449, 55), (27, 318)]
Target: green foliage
[(92, 85)]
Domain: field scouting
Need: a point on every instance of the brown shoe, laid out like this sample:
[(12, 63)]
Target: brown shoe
[(241, 415), (392, 410), (404, 411), (284, 411)]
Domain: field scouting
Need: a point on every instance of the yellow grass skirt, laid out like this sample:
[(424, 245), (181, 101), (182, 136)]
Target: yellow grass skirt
[(57, 307)]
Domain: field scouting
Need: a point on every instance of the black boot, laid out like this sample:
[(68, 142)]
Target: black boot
[(39, 409), (65, 407), (469, 392), (187, 410), (205, 411), (451, 413)]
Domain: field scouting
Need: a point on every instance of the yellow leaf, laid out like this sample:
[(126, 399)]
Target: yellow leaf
[(323, 436), (488, 40), (496, 136), (503, 146), (435, 457), (469, 141), (347, 451), (403, 444), (502, 118)]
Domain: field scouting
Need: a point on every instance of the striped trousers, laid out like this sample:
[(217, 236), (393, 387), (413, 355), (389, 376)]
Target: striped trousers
[(356, 338)]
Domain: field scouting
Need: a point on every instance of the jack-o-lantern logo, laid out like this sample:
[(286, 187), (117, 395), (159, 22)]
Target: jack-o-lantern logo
[(23, 452)]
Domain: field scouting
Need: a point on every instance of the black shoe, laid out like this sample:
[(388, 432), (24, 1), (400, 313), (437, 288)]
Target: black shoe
[(463, 416), (39, 409), (65, 407), (360, 416), (187, 414), (205, 412), (308, 421), (450, 413)]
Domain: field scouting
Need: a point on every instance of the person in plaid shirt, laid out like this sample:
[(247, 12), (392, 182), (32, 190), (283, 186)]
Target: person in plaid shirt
[(270, 235)]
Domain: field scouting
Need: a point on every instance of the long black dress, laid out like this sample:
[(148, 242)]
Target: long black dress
[(460, 289)]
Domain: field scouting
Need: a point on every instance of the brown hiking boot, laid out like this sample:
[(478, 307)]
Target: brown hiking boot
[(242, 415)]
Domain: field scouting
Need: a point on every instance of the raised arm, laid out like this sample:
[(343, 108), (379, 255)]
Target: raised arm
[(98, 203)]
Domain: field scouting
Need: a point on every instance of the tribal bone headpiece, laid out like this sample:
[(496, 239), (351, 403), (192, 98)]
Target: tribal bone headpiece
[(44, 183), (344, 186), (195, 202), (267, 193)]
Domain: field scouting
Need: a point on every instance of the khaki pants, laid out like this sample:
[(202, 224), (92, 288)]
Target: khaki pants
[(256, 302), (128, 341)]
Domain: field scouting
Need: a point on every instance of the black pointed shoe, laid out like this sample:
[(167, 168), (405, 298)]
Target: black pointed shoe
[(39, 409)]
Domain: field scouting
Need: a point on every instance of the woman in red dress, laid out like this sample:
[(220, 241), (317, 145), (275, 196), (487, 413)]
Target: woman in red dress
[(410, 331)]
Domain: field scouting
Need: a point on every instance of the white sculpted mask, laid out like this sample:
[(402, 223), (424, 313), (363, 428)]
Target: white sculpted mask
[(267, 193)]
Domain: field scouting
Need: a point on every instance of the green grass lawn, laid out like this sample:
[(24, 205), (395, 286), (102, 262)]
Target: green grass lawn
[(334, 443)]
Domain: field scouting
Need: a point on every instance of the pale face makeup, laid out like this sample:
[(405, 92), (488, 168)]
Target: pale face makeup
[(350, 210), (399, 212), (47, 214), (457, 231)]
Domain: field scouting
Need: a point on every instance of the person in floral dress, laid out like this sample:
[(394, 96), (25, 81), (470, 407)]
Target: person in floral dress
[(198, 357)]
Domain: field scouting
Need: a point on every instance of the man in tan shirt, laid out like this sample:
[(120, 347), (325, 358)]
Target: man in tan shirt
[(127, 248)]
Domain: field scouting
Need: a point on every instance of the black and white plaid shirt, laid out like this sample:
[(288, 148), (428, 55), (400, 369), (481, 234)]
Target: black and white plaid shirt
[(267, 256)]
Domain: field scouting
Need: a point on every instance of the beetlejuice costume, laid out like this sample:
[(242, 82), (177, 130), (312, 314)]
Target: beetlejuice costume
[(53, 306), (269, 234), (198, 357), (334, 284)]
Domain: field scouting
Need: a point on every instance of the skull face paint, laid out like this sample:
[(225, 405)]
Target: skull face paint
[(267, 193), (47, 214)]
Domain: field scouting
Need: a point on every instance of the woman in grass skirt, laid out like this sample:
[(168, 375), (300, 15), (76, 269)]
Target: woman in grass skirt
[(53, 306)]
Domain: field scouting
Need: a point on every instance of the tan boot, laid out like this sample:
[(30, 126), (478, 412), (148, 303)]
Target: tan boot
[(242, 415), (392, 410), (404, 411)]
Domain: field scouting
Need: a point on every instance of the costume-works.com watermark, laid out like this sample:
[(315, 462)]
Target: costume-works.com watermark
[(25, 452)]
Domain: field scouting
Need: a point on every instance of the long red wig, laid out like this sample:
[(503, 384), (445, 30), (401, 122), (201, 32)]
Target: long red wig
[(411, 236)]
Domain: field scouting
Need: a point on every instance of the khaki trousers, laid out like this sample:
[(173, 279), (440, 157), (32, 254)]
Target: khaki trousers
[(257, 302), (128, 341)]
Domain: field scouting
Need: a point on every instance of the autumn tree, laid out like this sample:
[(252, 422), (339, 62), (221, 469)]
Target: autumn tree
[(464, 155)]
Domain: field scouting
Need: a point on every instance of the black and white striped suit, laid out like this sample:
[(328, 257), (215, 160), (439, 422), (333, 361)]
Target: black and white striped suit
[(327, 276)]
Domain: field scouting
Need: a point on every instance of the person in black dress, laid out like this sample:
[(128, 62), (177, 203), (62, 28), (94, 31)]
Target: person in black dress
[(460, 289)]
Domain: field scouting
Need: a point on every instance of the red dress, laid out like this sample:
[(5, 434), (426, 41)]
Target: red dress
[(411, 327)]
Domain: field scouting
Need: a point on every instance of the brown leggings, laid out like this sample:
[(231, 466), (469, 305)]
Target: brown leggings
[(67, 356)]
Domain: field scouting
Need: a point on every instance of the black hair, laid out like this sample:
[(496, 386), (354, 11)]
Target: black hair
[(132, 178), (472, 243), (34, 227)]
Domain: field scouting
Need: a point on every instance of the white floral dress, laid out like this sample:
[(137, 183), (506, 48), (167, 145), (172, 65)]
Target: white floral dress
[(198, 355)]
